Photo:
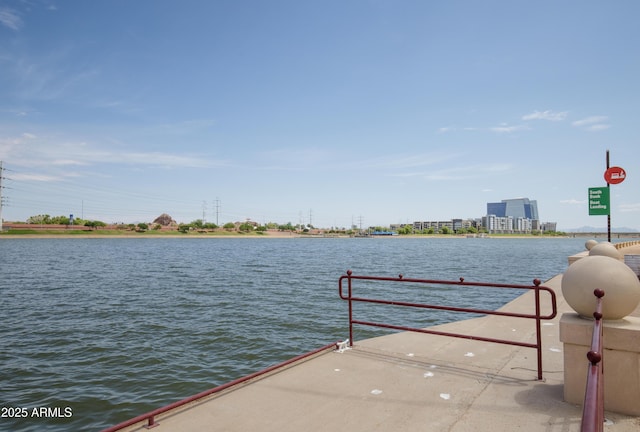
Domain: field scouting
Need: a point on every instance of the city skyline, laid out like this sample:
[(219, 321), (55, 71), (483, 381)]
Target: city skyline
[(326, 112)]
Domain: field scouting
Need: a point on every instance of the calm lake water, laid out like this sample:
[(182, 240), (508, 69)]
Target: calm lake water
[(101, 330)]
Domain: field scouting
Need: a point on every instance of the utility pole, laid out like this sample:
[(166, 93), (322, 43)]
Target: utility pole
[(217, 210), (204, 211), (310, 222), (1, 199)]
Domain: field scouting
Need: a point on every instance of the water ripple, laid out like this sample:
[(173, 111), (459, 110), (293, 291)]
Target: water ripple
[(115, 327)]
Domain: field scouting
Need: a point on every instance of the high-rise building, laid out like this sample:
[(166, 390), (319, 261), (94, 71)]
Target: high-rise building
[(516, 208), (522, 211)]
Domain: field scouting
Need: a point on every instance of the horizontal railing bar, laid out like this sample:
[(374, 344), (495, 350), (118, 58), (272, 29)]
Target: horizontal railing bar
[(451, 308), (151, 414), (552, 315), (460, 282), (441, 333)]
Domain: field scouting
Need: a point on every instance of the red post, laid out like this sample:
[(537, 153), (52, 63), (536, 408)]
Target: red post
[(593, 408)]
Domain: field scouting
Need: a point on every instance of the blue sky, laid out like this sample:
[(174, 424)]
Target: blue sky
[(331, 112)]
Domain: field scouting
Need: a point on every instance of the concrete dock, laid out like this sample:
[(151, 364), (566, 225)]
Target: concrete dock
[(411, 382)]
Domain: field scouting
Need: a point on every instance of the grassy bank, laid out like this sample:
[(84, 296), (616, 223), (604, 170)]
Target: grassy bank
[(121, 233)]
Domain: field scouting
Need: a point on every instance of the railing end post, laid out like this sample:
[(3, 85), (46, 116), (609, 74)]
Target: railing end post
[(151, 423)]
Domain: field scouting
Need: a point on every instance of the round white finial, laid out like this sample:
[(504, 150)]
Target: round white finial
[(590, 243), (616, 279), (606, 249)]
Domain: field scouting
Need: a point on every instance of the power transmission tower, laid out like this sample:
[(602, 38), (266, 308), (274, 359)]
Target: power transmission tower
[(217, 211), (204, 211), (1, 198)]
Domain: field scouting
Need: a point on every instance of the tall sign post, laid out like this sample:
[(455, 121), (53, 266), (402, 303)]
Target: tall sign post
[(609, 189), (600, 197)]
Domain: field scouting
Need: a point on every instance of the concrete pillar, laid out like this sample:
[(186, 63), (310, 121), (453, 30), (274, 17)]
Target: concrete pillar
[(603, 268), (621, 359)]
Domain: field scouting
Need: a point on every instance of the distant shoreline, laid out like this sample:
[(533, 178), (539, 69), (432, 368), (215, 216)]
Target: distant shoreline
[(281, 234)]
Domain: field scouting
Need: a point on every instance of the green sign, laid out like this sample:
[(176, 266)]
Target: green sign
[(599, 201)]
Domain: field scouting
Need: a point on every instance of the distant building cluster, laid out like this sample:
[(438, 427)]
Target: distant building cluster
[(518, 215), (453, 225), (510, 216)]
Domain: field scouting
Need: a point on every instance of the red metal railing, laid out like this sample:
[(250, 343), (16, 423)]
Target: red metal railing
[(593, 409), (349, 277), (150, 417)]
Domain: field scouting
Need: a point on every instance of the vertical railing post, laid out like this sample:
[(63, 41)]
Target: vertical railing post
[(151, 423), (349, 273), (536, 283)]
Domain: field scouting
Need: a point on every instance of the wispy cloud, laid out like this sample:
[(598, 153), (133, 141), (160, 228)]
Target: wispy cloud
[(29, 177), (31, 151), (404, 162), (546, 115), (592, 123), (598, 127), (630, 207), (10, 19), (504, 128), (463, 172), (589, 120), (468, 172), (573, 201)]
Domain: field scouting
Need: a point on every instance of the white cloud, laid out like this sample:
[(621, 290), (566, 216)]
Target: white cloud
[(592, 123), (28, 150), (546, 115), (9, 18), (598, 127), (453, 172), (24, 177), (27, 177), (589, 121), (508, 129), (67, 162), (401, 162), (445, 129), (630, 207), (467, 172), (573, 201)]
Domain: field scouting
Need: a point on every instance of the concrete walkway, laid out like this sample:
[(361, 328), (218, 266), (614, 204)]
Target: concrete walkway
[(411, 382)]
